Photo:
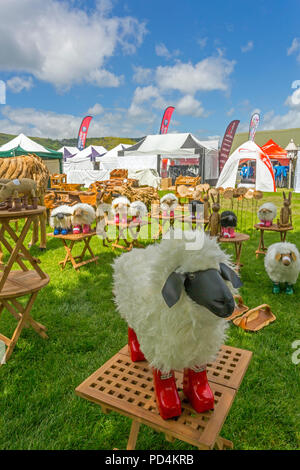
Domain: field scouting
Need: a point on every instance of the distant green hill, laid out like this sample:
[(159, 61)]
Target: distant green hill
[(107, 142), (282, 137)]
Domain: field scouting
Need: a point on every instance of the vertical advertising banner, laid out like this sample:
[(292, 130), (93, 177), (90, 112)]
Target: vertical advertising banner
[(83, 130), (227, 143), (166, 120), (254, 122)]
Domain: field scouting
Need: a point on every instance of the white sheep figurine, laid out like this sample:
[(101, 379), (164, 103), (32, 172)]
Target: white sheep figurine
[(282, 263), (120, 206), (137, 210), (60, 219), (83, 216), (168, 204), (266, 214), (175, 301)]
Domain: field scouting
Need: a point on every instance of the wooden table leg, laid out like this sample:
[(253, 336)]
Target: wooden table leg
[(222, 444), (134, 431), (238, 250), (69, 256), (20, 325)]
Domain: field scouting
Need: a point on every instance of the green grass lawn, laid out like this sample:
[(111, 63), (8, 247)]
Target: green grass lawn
[(38, 406)]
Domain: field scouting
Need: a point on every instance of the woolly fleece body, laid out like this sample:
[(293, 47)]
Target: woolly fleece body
[(185, 335), (120, 205), (168, 202), (269, 216), (276, 270), (137, 209), (64, 223), (83, 214)]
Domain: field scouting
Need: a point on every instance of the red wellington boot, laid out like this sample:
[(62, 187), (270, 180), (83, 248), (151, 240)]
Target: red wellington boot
[(166, 393), (196, 388), (134, 347)]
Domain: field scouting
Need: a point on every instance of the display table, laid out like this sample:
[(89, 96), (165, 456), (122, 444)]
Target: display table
[(238, 241), (262, 249), (127, 388), (69, 241), (15, 284)]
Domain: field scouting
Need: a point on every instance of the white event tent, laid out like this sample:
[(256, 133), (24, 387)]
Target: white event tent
[(183, 145), (264, 181)]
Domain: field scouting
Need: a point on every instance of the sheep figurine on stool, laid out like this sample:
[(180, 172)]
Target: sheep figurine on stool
[(120, 206), (175, 301), (82, 217), (137, 210), (60, 219), (266, 214), (228, 224), (168, 204), (282, 263)]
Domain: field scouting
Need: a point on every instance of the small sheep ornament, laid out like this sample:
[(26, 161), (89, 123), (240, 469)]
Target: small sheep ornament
[(282, 263), (266, 214), (61, 219), (228, 224), (137, 211), (168, 204), (83, 216), (120, 206), (175, 301)]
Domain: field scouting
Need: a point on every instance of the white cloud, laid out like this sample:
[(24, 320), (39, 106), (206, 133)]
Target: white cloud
[(285, 121), (143, 95), (248, 47), (63, 46), (294, 47), (142, 75), (209, 74), (96, 109), (188, 105), (162, 51), (18, 84), (230, 112), (293, 101), (37, 123)]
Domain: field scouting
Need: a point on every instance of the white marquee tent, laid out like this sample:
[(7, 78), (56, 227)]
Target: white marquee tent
[(265, 180), (178, 146), (25, 143), (84, 159)]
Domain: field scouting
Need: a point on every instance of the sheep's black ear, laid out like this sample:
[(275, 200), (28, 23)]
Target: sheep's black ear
[(229, 275), (172, 289)]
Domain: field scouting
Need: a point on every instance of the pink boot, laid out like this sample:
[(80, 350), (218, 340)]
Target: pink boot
[(196, 388), (76, 229), (86, 228), (117, 218)]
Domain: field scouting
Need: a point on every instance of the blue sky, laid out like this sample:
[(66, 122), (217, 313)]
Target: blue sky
[(125, 61)]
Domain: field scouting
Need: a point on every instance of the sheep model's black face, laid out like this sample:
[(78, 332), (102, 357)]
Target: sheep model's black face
[(228, 219), (206, 288)]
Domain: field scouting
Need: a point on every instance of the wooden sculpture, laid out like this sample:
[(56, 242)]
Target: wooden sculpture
[(215, 218), (286, 211)]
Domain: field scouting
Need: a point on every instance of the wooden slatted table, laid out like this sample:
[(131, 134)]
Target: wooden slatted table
[(127, 388), (262, 249), (69, 241), (15, 284)]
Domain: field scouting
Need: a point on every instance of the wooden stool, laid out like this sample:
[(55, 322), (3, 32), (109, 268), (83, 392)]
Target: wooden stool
[(76, 238), (238, 241), (262, 249), (19, 283), (127, 388), (127, 232)]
